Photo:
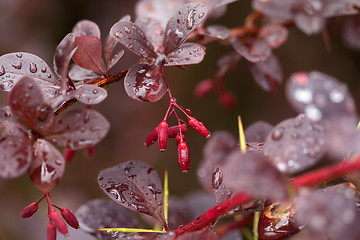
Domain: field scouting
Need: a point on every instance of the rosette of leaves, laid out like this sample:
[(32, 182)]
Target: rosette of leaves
[(28, 125)]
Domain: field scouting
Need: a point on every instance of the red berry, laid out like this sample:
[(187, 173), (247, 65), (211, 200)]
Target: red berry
[(59, 222), (153, 136), (51, 231), (90, 151), (199, 127), (69, 217), (183, 156), (203, 88), (29, 210), (174, 130), (163, 135), (180, 139), (69, 154), (228, 100)]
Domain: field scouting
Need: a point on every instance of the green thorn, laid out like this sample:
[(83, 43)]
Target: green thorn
[(241, 136)]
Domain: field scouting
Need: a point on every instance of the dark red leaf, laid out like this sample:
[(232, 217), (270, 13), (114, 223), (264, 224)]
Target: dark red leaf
[(90, 94), (136, 186), (104, 213), (218, 31), (258, 131), (145, 82), (153, 29), (186, 54), (7, 115), (77, 73), (78, 129), (47, 166), (206, 234), (185, 20), (86, 28), (132, 37), (114, 60), (13, 66), (27, 103), (274, 34), (253, 50), (267, 73), (295, 144), (226, 64), (88, 54), (15, 148)]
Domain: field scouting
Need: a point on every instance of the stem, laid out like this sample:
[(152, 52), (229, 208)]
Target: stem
[(210, 217)]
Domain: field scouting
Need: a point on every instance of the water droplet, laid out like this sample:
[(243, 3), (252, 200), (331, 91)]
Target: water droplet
[(119, 34), (201, 15), (2, 70), (141, 208), (112, 233), (130, 46), (101, 178), (142, 35), (33, 68), (43, 69), (295, 135), (49, 75), (127, 30), (17, 65), (19, 55), (217, 178), (190, 21), (95, 91), (143, 53), (277, 134)]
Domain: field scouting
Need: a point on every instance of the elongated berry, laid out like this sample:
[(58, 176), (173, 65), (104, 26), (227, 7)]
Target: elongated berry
[(59, 222), (203, 88), (180, 139), (228, 100), (174, 130), (69, 154), (69, 217), (29, 210), (199, 127), (153, 136), (51, 231), (183, 156), (163, 135), (90, 151)]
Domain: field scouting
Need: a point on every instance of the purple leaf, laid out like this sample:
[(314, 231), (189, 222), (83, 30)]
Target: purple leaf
[(309, 24), (27, 103), (63, 54), (88, 54), (198, 202), (255, 175), (104, 213), (252, 50), (15, 148), (78, 129), (134, 185), (319, 96), (7, 115), (334, 8), (153, 30), (273, 34), (86, 28), (132, 37), (114, 60), (13, 66), (218, 31), (78, 73), (145, 82), (267, 73), (90, 94), (277, 10), (199, 235), (47, 166), (186, 54), (185, 20), (226, 64), (295, 144), (258, 131)]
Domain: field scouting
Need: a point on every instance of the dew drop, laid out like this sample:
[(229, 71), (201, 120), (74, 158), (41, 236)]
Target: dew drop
[(127, 30), (95, 91), (17, 65), (119, 34), (19, 55), (217, 178), (190, 21), (2, 70), (33, 68), (277, 134), (201, 15), (43, 69)]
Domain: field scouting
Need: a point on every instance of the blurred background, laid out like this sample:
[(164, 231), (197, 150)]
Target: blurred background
[(37, 26)]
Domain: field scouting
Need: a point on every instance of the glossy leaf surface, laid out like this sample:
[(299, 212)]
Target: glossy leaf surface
[(77, 73), (7, 115), (13, 66), (273, 34), (90, 94), (295, 144), (86, 28), (78, 129), (319, 96), (252, 50), (15, 148), (104, 213), (185, 20), (134, 185), (258, 131), (267, 73), (47, 166), (145, 82), (187, 53), (218, 31), (88, 53)]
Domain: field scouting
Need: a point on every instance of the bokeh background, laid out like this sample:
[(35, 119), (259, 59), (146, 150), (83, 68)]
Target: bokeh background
[(37, 26)]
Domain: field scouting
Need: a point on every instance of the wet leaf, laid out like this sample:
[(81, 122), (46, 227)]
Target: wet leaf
[(267, 73), (226, 64), (78, 129), (185, 20), (133, 38), (309, 24), (319, 96), (134, 185), (114, 60), (153, 30), (7, 115), (258, 131), (88, 54), (77, 73), (27, 103), (198, 202), (274, 34), (295, 144), (218, 31), (104, 213), (47, 166), (90, 94), (255, 175), (187, 53), (253, 50), (145, 82), (15, 148), (86, 28), (13, 66), (206, 234)]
